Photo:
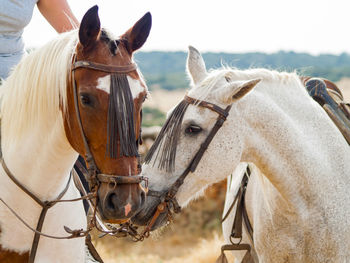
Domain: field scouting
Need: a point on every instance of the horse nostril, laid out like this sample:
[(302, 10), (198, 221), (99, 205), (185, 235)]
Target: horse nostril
[(143, 197), (111, 202)]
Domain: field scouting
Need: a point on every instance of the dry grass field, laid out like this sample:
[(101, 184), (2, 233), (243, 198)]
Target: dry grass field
[(195, 235)]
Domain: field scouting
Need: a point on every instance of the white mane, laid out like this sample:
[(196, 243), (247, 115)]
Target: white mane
[(36, 90), (209, 84)]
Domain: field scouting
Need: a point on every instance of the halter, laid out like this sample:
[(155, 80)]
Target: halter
[(93, 175), (167, 200)]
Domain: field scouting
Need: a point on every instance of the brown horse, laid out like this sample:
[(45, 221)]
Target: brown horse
[(79, 94)]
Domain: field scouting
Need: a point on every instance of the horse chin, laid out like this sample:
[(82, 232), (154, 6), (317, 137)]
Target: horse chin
[(144, 217)]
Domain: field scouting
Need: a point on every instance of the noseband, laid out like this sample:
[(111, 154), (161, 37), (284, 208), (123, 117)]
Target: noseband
[(167, 200)]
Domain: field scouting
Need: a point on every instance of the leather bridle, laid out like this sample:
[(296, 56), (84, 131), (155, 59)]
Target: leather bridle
[(167, 199), (94, 176)]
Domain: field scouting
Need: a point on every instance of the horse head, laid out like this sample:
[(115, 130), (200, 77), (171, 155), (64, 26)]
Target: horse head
[(103, 117), (190, 152)]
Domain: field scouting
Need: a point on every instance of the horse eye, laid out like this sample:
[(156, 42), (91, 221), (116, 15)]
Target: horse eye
[(193, 129), (85, 99)]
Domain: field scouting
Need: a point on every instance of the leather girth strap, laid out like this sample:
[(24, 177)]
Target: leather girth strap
[(241, 217)]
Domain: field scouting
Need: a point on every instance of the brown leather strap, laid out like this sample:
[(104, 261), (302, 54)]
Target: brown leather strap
[(230, 208), (241, 211), (37, 236), (32, 195), (120, 179), (22, 187), (92, 249), (160, 209), (104, 67), (196, 159), (89, 158), (45, 206), (222, 112), (236, 232)]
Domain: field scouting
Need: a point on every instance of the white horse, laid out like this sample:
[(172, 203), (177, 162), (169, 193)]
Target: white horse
[(41, 141), (299, 205)]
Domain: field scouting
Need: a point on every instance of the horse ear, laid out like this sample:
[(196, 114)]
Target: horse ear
[(195, 65), (138, 34), (238, 89), (89, 27)]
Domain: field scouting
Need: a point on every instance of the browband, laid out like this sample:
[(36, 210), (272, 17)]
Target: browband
[(103, 67), (222, 112)]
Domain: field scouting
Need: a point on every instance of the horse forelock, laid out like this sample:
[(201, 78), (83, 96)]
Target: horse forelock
[(36, 90), (121, 118)]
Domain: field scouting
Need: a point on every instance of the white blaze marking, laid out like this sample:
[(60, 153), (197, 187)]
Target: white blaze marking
[(127, 209), (104, 83), (135, 85)]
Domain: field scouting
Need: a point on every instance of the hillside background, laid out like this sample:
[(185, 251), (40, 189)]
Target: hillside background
[(166, 70)]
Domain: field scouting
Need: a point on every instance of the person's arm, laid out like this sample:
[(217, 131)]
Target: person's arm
[(58, 14)]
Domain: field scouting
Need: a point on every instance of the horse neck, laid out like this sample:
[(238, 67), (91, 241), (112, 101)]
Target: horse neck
[(40, 160), (295, 145)]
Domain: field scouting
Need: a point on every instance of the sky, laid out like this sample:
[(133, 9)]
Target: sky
[(236, 26)]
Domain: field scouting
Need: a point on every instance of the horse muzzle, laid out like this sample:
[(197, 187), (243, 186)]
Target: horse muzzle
[(120, 197), (154, 214)]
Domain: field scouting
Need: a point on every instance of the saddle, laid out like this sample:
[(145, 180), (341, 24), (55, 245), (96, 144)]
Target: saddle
[(329, 96)]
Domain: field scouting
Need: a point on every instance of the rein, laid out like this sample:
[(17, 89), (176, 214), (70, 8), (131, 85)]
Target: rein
[(45, 205), (167, 200)]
